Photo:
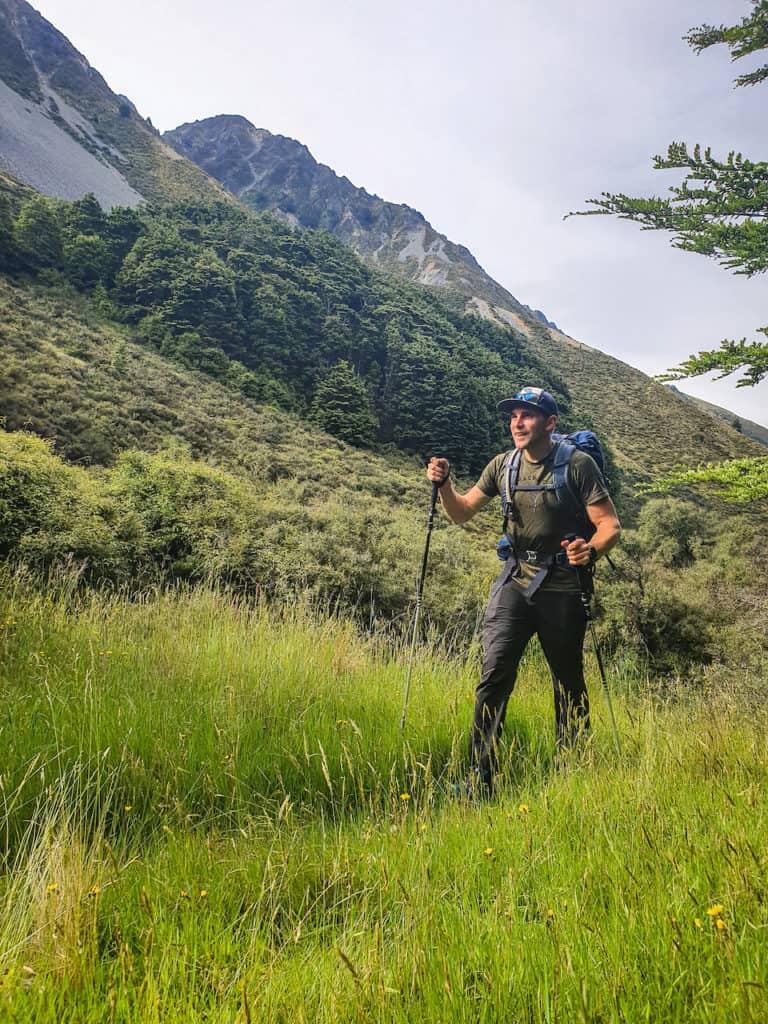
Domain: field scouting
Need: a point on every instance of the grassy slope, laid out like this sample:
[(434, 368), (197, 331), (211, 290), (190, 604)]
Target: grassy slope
[(71, 377), (211, 814), (749, 428), (67, 372)]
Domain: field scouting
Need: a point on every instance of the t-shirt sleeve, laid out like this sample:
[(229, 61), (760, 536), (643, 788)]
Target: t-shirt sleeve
[(489, 478), (588, 481)]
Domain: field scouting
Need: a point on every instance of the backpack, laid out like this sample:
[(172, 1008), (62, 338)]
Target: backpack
[(581, 440)]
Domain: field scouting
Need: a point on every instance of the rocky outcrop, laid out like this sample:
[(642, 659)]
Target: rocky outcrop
[(64, 132)]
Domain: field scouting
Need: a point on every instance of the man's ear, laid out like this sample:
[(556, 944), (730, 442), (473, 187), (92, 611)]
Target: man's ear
[(551, 423)]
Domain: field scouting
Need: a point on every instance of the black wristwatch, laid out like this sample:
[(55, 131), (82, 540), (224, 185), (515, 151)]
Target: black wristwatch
[(592, 554)]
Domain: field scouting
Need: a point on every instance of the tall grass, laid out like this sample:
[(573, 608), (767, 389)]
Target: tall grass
[(210, 813)]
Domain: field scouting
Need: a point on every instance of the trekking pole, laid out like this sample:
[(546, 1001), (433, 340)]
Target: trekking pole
[(419, 593), (585, 593)]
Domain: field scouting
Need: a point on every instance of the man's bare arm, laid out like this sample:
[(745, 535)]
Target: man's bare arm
[(458, 507), (602, 515)]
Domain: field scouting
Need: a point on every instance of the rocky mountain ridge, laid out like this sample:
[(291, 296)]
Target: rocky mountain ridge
[(277, 174)]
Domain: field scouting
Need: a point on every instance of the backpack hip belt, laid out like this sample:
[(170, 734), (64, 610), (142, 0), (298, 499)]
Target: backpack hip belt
[(541, 559)]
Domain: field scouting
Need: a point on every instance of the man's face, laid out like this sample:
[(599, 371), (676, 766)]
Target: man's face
[(530, 428)]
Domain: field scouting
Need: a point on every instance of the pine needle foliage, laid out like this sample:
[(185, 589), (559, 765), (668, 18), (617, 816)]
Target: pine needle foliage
[(720, 210)]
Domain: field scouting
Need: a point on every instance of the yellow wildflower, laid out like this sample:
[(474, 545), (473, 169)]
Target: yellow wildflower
[(95, 890), (720, 924), (550, 913), (53, 887), (183, 895), (405, 796), (203, 893), (488, 851), (697, 922), (715, 910), (128, 808), (523, 808)]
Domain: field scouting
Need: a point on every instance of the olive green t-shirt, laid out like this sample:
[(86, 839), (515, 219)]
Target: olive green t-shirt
[(541, 521)]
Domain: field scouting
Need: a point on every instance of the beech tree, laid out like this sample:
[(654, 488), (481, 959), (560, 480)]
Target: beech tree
[(38, 234), (721, 208)]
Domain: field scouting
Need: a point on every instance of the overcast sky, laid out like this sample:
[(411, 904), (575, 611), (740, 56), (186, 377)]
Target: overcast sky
[(493, 119)]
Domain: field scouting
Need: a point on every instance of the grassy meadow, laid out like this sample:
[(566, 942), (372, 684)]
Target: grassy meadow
[(209, 813)]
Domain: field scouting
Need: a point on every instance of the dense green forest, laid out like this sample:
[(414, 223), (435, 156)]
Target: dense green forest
[(290, 318)]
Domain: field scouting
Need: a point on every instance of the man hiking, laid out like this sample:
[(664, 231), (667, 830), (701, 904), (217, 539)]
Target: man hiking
[(538, 590)]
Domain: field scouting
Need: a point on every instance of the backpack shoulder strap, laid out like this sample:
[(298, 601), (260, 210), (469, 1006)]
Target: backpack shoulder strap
[(510, 473), (563, 454), (566, 495)]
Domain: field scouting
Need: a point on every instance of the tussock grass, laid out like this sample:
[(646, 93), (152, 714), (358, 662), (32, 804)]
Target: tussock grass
[(210, 813)]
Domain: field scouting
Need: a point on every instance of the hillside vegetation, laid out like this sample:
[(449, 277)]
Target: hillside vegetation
[(293, 319), (202, 483)]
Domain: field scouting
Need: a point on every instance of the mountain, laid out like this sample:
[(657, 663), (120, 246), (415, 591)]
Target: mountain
[(279, 175), (213, 285), (64, 132)]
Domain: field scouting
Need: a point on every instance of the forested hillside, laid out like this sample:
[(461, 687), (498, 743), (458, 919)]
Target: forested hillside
[(293, 319), (201, 482), (297, 320)]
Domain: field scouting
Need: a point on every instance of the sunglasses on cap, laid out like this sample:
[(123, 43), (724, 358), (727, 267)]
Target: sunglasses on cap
[(529, 395)]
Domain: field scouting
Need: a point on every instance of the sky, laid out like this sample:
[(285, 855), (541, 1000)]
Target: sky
[(493, 119)]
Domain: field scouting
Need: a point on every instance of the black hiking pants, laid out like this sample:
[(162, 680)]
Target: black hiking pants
[(559, 621)]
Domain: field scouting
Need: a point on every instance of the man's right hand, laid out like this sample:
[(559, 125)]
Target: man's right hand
[(438, 471)]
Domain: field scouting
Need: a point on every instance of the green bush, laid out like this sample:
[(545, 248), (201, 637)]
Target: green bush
[(50, 513), (166, 517), (690, 591)]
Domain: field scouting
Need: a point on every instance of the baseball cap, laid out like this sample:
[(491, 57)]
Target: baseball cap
[(535, 399)]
